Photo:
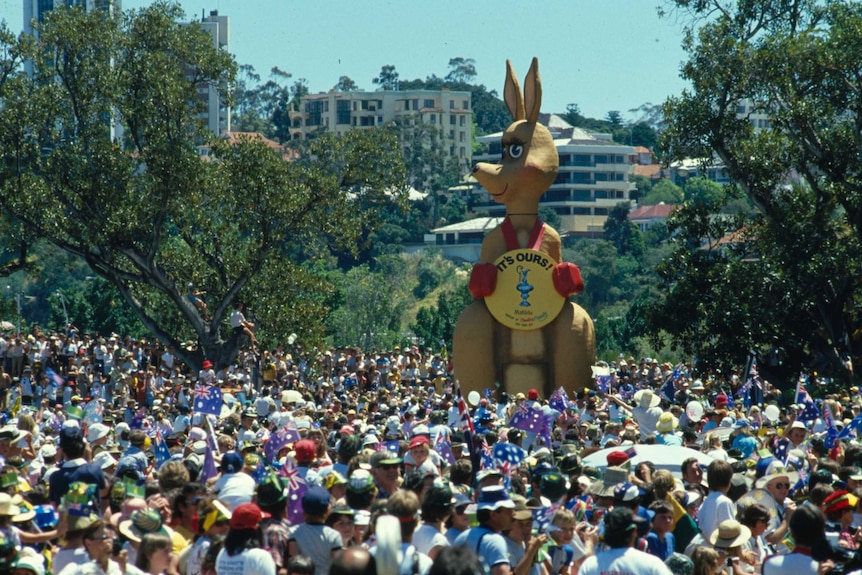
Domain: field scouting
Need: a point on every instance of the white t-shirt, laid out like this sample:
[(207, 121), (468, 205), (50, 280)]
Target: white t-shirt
[(234, 489), (621, 561), (427, 538), (248, 562), (716, 508)]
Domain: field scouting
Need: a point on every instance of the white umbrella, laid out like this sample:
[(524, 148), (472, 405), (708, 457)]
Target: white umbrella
[(668, 457), (6, 325), (291, 396)]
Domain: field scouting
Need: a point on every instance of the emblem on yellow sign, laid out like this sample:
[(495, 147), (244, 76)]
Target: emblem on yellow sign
[(525, 297)]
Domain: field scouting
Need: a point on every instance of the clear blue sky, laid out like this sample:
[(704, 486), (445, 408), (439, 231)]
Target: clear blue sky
[(601, 54)]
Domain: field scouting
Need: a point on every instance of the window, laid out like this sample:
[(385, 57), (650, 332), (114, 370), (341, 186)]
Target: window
[(451, 134), (562, 211), (601, 160), (451, 104), (366, 121), (432, 118), (462, 121), (452, 151), (580, 211), (314, 109), (428, 104), (582, 160), (581, 178), (452, 120), (466, 104), (601, 177), (342, 112), (461, 136), (600, 211), (582, 196), (562, 178), (463, 152)]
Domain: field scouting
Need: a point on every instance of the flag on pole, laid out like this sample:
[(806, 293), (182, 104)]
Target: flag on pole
[(54, 378), (208, 470), (809, 408), (208, 399), (527, 418), (162, 452), (296, 488), (831, 430), (444, 448), (854, 426), (465, 424), (560, 399)]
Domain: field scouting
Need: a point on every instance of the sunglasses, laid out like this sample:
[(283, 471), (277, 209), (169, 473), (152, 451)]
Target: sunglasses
[(388, 466), (782, 485), (461, 510)]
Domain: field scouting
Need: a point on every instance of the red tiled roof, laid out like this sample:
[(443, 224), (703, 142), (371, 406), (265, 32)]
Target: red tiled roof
[(651, 212), (652, 171)]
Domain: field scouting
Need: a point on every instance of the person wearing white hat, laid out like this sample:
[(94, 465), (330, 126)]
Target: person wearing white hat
[(97, 437), (646, 413)]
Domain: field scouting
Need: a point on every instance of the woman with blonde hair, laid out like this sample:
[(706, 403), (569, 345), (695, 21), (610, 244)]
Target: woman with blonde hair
[(705, 561), (712, 446)]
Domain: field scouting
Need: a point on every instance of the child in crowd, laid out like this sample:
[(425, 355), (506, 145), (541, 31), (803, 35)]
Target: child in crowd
[(660, 541)]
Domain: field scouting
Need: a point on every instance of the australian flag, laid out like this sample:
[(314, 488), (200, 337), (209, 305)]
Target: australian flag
[(54, 378), (831, 430), (161, 449), (854, 425), (751, 391), (809, 411), (277, 441), (465, 424), (444, 448), (208, 399), (296, 488), (560, 400), (487, 455), (530, 419)]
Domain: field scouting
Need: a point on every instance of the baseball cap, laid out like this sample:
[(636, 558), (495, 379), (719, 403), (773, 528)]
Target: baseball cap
[(231, 462), (419, 440), (316, 500), (247, 516), (360, 481), (621, 520)]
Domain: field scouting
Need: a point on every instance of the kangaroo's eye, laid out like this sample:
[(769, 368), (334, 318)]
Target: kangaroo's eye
[(515, 151)]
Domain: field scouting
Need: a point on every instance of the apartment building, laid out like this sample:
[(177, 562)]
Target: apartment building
[(337, 112), (216, 114), (594, 176)]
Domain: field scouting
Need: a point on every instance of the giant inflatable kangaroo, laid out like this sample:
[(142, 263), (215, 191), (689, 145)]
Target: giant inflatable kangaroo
[(485, 351)]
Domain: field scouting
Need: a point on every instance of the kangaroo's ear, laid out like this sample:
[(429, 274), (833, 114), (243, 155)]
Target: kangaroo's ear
[(512, 94), (533, 92)]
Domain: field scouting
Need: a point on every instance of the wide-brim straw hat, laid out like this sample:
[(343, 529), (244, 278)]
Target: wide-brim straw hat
[(730, 533), (647, 398)]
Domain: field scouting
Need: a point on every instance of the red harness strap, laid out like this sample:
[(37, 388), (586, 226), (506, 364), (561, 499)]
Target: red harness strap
[(511, 237)]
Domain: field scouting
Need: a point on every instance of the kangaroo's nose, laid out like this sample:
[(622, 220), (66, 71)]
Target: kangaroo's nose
[(475, 168)]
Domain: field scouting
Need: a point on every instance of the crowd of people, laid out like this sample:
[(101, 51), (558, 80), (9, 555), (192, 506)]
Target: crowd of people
[(117, 458)]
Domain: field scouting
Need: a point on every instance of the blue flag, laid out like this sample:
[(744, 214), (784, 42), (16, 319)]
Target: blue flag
[(560, 400), (668, 390), (208, 470), (162, 452), (276, 442), (508, 453), (528, 419), (831, 430), (854, 425), (54, 378), (391, 445), (444, 448), (208, 399), (810, 412), (487, 455)]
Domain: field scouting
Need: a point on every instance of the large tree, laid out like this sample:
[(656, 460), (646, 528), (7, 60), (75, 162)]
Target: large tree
[(147, 212), (799, 62)]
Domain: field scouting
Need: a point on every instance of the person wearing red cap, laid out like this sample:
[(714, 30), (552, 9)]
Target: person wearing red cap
[(616, 458), (533, 395), (206, 376), (243, 552)]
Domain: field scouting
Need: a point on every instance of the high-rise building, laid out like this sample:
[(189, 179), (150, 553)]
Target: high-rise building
[(217, 113), (36, 9)]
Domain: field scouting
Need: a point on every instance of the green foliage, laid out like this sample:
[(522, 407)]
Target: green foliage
[(461, 70), (623, 234), (429, 166), (663, 191), (437, 324), (704, 191), (387, 79), (147, 214), (800, 62)]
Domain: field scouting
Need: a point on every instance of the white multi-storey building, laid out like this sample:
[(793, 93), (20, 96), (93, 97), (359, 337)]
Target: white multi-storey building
[(595, 175)]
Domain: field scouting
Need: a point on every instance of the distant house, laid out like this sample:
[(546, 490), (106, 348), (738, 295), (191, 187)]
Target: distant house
[(645, 216), (462, 241)]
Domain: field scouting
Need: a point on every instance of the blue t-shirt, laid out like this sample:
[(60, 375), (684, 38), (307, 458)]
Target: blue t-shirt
[(661, 549), (72, 471), (489, 546)]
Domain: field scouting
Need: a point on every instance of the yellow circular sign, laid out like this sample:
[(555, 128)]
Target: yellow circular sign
[(525, 297)]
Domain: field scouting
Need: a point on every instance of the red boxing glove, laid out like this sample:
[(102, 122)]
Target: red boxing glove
[(567, 279), (483, 279)]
